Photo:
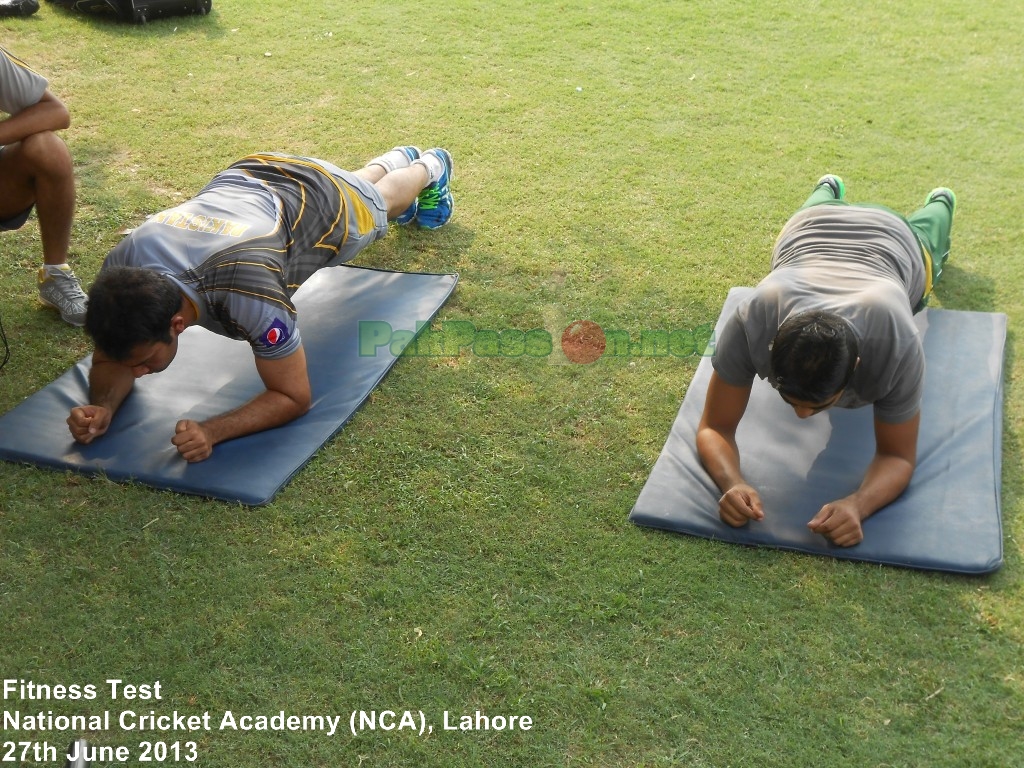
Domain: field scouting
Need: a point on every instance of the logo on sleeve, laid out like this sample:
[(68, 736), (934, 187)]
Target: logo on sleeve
[(276, 334)]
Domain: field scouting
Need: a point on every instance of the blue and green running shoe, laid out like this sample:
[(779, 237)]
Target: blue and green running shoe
[(435, 201), (406, 216)]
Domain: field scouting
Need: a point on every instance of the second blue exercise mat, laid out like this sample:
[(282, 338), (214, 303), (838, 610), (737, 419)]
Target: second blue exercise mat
[(948, 519), (212, 374)]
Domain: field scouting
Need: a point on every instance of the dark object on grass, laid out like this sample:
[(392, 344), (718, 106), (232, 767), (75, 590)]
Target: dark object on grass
[(6, 346), (139, 11), (92, 6), (18, 7)]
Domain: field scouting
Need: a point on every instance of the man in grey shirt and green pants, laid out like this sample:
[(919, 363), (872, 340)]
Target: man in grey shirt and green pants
[(832, 325)]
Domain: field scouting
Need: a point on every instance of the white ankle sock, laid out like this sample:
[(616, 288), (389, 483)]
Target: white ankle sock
[(54, 269), (433, 165), (392, 160)]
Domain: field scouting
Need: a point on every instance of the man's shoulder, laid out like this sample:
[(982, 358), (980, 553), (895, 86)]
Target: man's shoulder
[(9, 59), (766, 301), (20, 85), (883, 311)]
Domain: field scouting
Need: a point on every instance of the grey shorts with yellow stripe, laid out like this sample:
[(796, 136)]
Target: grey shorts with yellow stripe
[(367, 212)]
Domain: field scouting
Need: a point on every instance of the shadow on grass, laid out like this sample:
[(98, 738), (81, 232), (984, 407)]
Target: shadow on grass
[(960, 289), (411, 249)]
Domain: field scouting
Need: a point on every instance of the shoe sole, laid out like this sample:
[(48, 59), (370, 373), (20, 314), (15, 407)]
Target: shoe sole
[(63, 317)]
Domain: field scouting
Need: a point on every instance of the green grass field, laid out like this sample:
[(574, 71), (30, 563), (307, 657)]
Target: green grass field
[(463, 543)]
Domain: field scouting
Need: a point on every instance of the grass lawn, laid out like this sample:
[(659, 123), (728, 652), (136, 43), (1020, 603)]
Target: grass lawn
[(462, 545)]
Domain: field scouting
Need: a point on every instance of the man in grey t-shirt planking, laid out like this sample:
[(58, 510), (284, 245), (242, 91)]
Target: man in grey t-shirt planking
[(832, 325), (230, 260)]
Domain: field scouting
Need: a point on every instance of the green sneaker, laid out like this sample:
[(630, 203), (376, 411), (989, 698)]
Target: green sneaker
[(834, 183), (945, 194)]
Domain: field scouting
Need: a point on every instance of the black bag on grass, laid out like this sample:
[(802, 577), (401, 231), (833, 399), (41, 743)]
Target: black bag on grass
[(18, 7), (91, 6), (140, 11)]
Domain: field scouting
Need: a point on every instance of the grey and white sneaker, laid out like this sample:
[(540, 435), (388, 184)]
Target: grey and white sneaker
[(63, 291)]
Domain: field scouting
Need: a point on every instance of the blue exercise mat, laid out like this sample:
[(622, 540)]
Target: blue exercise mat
[(949, 517), (212, 374)]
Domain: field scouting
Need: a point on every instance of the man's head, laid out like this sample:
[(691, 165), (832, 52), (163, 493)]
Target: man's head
[(131, 310), (813, 357)]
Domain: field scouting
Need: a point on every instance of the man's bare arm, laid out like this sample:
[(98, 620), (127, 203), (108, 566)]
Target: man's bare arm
[(887, 476), (48, 114), (287, 396), (716, 445), (110, 383)]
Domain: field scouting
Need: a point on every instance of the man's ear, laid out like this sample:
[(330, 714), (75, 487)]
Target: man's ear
[(178, 323), (183, 317)]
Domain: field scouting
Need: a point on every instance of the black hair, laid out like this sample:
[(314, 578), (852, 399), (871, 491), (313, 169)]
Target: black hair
[(813, 356), (129, 306)]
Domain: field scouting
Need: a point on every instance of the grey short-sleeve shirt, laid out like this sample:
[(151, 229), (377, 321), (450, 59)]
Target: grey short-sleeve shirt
[(865, 265), (20, 86), (235, 215), (242, 247)]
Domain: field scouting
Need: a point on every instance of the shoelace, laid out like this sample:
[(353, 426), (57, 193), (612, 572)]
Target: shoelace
[(430, 197), (73, 289)]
